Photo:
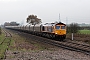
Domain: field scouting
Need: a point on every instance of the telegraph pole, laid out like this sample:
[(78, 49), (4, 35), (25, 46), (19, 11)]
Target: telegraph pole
[(59, 17)]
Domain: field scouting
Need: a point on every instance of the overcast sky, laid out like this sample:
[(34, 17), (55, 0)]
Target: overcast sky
[(77, 11)]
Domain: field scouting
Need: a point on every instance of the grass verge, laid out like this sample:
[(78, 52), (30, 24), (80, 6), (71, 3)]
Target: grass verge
[(4, 45), (22, 43)]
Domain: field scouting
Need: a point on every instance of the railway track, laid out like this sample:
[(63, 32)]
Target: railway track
[(6, 41), (70, 45), (67, 45), (74, 47)]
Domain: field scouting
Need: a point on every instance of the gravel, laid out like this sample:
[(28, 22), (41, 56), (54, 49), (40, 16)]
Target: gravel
[(60, 54), (52, 54)]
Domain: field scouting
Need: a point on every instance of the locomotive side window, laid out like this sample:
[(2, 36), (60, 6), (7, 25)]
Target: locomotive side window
[(43, 28), (57, 27), (62, 27)]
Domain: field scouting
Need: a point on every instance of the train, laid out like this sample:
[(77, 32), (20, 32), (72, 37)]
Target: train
[(56, 31)]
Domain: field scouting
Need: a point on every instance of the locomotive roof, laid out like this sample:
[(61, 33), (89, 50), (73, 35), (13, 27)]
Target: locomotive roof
[(53, 24), (49, 24), (60, 23)]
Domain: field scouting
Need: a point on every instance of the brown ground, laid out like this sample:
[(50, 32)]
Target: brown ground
[(80, 37), (27, 49)]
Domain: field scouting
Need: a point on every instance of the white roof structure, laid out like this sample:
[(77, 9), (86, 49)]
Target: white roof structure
[(49, 24)]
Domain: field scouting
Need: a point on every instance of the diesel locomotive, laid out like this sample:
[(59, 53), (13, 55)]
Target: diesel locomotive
[(55, 31)]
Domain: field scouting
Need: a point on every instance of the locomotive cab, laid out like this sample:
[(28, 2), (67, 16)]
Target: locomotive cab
[(60, 29)]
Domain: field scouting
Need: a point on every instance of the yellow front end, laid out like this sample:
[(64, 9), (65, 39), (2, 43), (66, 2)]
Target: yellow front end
[(60, 32)]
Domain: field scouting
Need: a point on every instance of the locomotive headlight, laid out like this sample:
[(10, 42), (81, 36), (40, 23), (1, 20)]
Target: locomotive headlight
[(55, 33)]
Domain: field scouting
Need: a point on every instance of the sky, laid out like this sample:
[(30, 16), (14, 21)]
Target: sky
[(71, 11)]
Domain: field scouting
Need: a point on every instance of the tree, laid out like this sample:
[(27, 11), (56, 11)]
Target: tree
[(73, 28), (33, 20), (11, 24)]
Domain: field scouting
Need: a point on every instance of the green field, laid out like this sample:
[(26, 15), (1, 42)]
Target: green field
[(84, 31)]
